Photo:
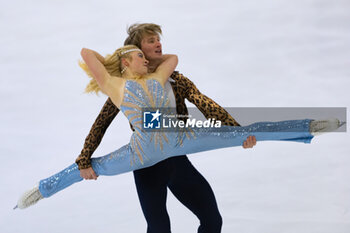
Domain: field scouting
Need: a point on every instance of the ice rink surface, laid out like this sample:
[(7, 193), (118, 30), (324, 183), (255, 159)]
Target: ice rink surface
[(240, 53)]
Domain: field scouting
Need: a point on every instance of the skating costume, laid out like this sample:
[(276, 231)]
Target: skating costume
[(147, 148)]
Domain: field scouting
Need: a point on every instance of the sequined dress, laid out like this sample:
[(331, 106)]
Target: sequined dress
[(147, 147)]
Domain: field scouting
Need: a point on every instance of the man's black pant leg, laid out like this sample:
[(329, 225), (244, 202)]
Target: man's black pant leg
[(188, 186), (151, 185), (193, 191)]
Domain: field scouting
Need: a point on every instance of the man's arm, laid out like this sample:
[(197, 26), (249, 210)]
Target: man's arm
[(206, 105), (210, 108), (98, 129)]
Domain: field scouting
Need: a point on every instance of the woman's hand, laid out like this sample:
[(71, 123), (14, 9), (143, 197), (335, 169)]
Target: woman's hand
[(249, 142), (88, 174)]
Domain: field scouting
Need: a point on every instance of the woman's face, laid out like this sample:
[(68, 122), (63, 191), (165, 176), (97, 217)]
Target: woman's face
[(138, 63)]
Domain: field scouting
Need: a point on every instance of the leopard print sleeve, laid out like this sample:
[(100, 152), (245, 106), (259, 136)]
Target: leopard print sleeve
[(206, 105), (98, 129)]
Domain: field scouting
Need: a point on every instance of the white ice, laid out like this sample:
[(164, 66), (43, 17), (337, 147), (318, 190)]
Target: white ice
[(241, 53)]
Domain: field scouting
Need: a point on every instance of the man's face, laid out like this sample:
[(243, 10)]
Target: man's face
[(151, 47)]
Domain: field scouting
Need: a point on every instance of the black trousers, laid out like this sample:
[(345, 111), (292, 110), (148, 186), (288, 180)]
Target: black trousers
[(187, 185)]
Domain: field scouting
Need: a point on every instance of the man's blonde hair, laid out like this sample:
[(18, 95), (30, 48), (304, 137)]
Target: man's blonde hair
[(112, 64), (137, 32)]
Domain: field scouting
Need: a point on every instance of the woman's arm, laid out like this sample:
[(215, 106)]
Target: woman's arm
[(166, 67), (94, 61)]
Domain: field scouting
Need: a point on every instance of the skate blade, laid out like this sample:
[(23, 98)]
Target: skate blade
[(342, 123)]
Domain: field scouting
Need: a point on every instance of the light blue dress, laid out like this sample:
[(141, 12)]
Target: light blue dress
[(147, 147)]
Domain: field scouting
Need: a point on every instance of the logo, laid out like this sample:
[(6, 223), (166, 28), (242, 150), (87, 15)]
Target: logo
[(151, 120), (167, 119)]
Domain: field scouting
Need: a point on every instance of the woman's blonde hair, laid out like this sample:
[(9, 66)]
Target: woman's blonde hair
[(113, 65)]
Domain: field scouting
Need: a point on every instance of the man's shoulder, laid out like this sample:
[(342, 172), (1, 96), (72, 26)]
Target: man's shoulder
[(179, 77)]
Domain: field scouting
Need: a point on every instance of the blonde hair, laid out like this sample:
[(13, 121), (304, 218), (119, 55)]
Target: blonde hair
[(136, 32), (113, 65)]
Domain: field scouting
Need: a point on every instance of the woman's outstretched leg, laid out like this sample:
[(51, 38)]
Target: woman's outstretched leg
[(203, 139), (111, 164), (115, 163)]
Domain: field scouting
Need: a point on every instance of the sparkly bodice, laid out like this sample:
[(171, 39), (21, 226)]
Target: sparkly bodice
[(139, 96)]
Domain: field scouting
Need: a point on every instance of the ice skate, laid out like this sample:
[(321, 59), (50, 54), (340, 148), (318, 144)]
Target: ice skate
[(29, 198), (324, 126)]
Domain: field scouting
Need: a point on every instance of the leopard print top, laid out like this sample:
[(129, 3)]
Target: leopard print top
[(183, 89)]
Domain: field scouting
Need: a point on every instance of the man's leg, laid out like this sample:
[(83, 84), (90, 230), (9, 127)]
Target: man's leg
[(192, 189), (151, 185)]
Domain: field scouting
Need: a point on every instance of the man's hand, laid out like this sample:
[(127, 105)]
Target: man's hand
[(249, 142), (88, 174)]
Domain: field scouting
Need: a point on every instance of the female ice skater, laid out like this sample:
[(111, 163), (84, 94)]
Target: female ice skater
[(132, 90)]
